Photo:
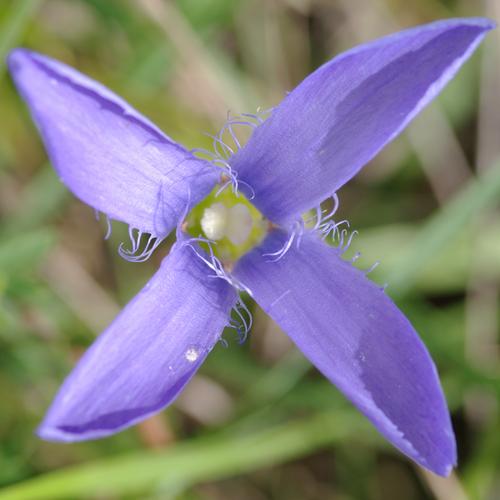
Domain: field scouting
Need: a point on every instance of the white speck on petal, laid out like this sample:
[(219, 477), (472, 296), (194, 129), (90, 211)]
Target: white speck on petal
[(192, 355)]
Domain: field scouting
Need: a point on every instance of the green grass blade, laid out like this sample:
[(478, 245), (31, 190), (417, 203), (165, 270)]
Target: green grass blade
[(12, 29), (23, 251), (444, 227), (40, 200), (189, 463), (480, 475), (448, 271)]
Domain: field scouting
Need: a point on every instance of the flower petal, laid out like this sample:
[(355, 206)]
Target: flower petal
[(109, 155), (344, 113), (147, 355), (355, 335)]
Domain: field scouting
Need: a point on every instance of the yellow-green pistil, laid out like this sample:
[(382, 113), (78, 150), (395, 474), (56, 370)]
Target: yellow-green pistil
[(229, 220)]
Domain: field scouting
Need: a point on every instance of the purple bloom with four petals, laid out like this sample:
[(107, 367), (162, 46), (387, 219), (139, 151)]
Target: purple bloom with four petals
[(310, 145)]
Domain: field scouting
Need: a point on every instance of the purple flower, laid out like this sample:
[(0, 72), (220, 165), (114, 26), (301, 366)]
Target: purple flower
[(317, 139)]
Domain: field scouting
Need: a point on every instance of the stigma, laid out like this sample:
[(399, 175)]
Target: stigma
[(235, 223), (230, 221)]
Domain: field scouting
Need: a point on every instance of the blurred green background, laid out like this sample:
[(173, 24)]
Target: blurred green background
[(257, 422)]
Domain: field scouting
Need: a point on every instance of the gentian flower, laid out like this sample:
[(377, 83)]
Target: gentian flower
[(310, 145)]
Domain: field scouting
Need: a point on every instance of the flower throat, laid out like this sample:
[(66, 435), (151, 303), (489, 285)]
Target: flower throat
[(230, 221)]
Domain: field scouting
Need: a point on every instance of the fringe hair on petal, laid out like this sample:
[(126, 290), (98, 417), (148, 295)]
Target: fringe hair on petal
[(225, 144), (295, 235), (339, 232), (142, 245), (242, 323), (109, 229)]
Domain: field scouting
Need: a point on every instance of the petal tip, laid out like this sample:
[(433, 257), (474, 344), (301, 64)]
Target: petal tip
[(61, 434), (19, 57), (483, 22), (445, 470), (443, 463), (15, 57), (51, 433)]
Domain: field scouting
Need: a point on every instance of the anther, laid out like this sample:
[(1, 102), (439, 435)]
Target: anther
[(228, 266), (271, 226)]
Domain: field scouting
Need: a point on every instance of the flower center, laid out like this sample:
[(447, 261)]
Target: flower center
[(229, 220), (234, 222)]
